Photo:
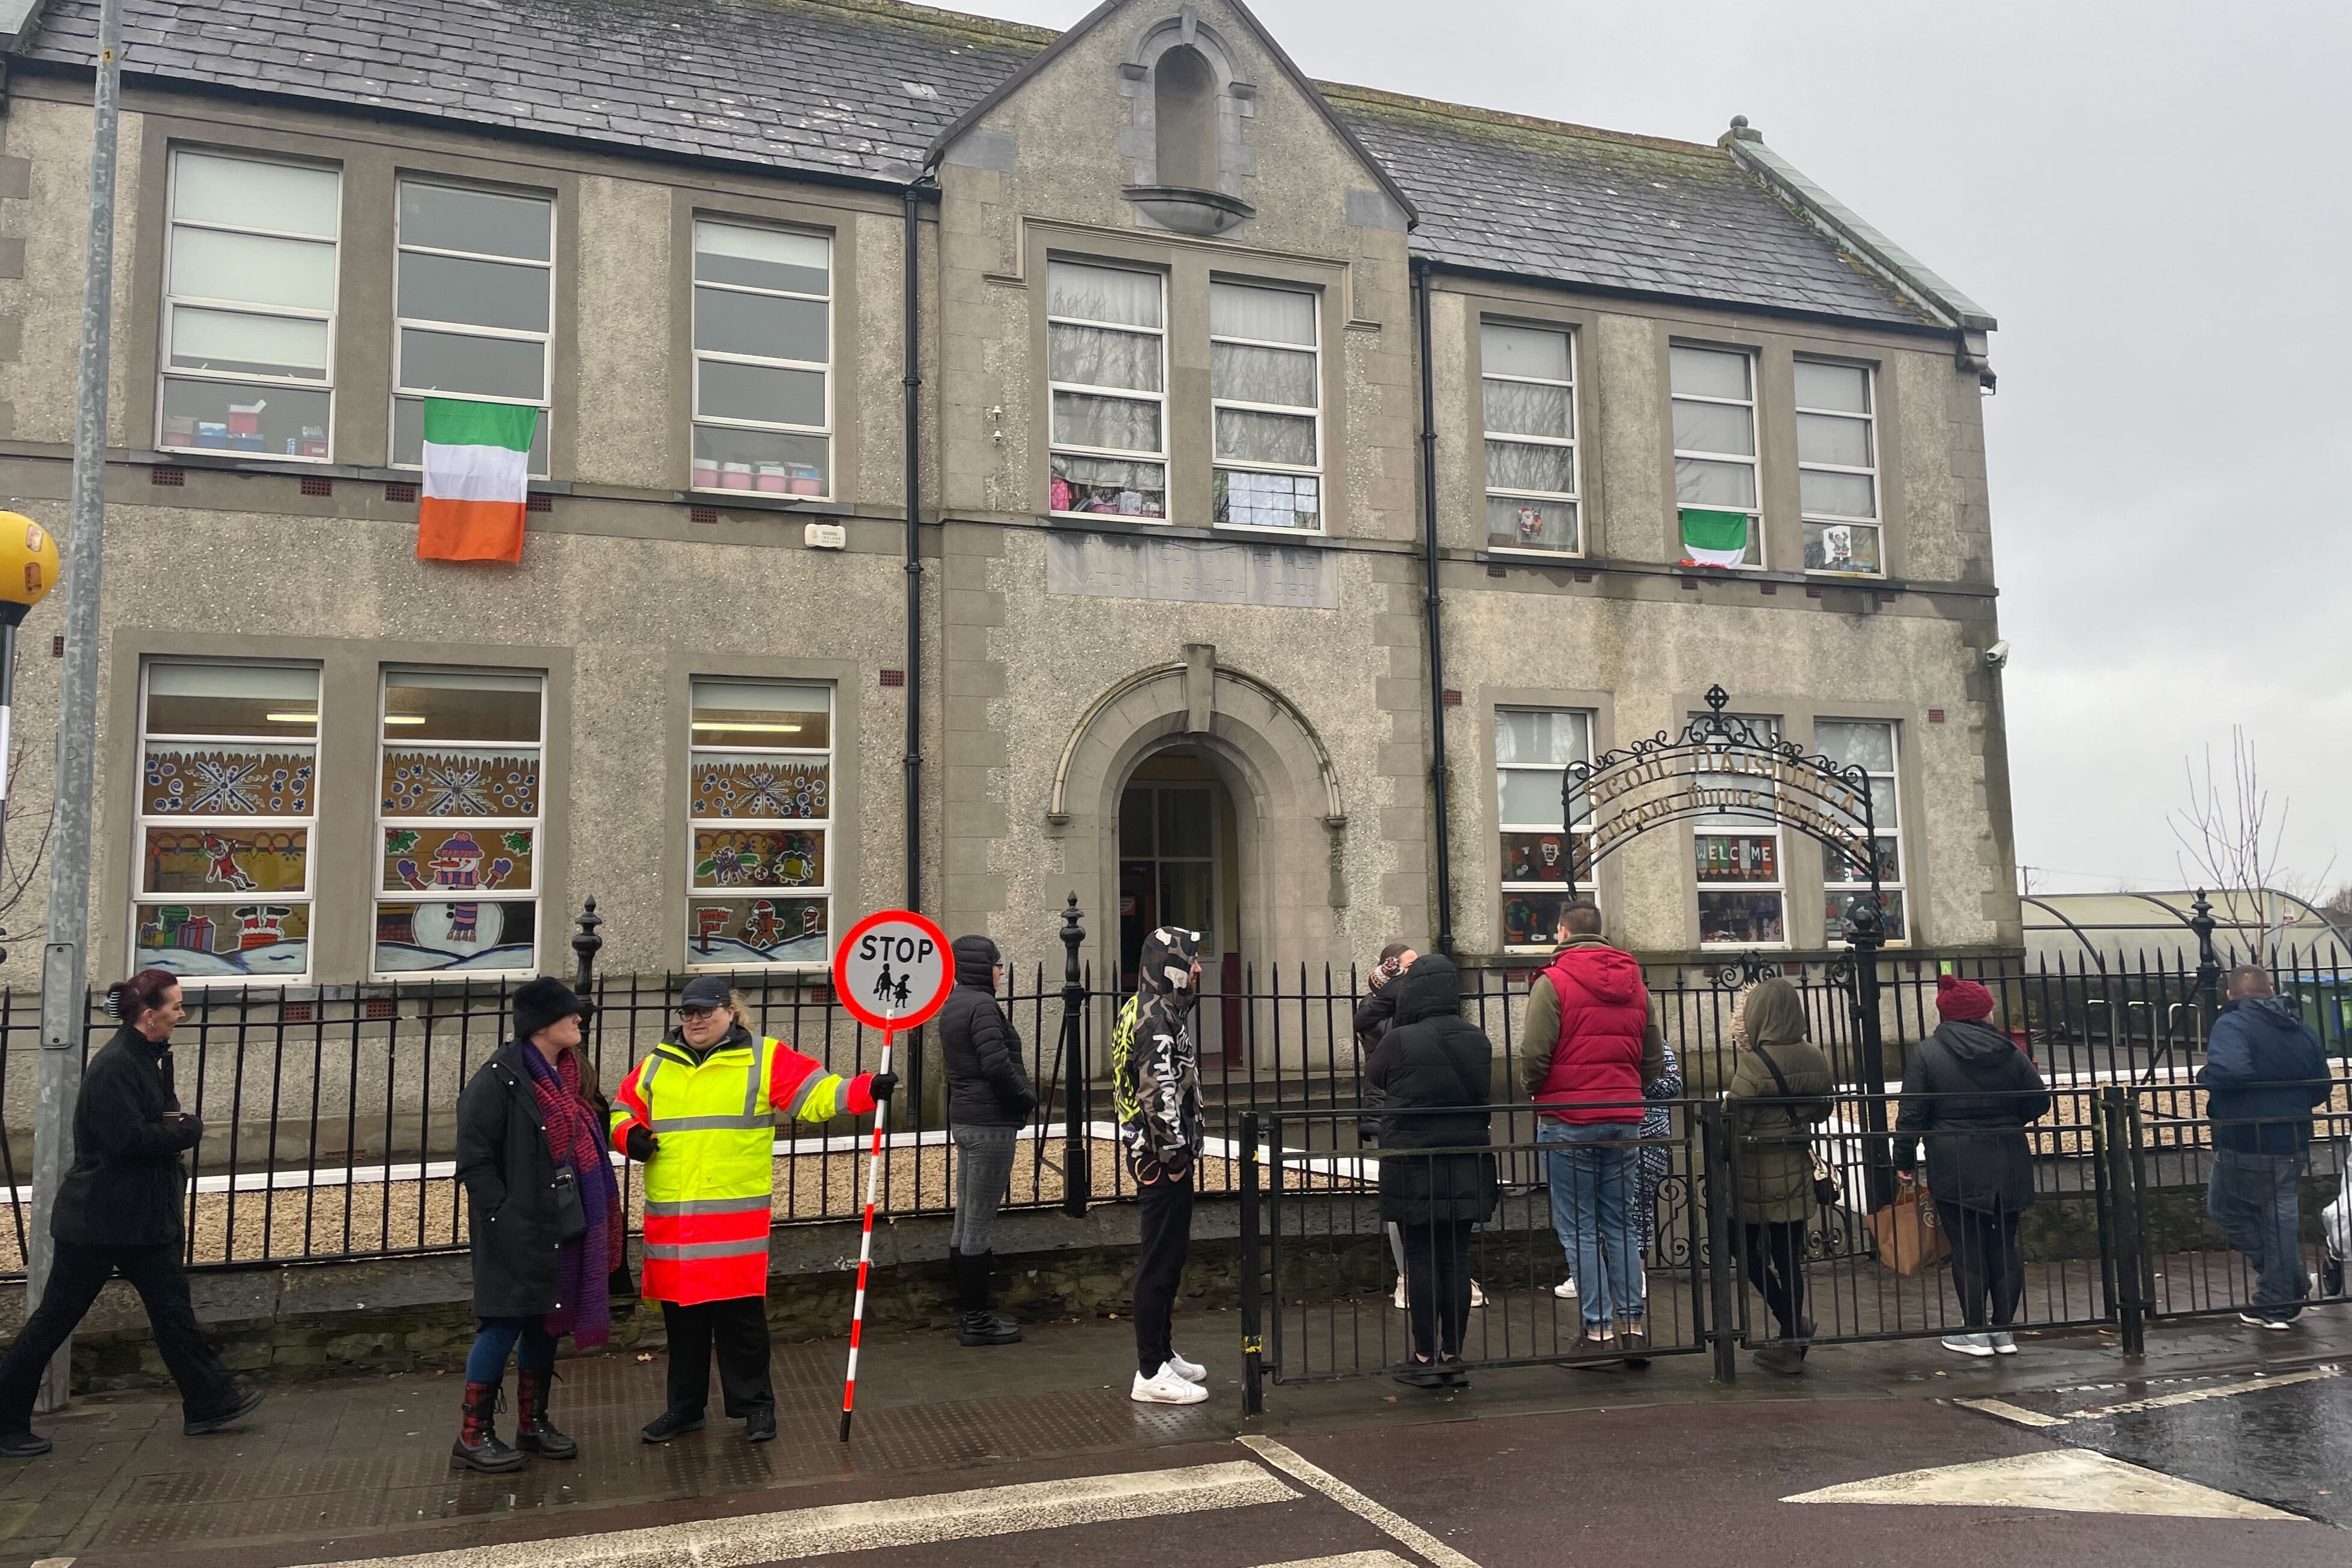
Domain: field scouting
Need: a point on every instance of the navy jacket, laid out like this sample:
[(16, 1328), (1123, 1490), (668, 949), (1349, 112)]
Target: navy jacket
[(2264, 1073)]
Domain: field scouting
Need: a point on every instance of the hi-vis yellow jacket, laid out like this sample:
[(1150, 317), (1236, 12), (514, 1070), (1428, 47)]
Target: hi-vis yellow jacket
[(707, 1185)]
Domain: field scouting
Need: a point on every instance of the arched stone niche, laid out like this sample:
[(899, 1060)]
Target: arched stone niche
[(1183, 138), (1287, 809)]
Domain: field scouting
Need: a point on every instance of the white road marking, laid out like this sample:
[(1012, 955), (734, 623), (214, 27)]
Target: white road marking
[(2064, 1480), (1349, 1559), (1389, 1523), (2193, 1396), (864, 1526), (2017, 1413)]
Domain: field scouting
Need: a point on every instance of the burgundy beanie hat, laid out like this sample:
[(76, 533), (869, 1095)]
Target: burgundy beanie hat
[(1959, 998)]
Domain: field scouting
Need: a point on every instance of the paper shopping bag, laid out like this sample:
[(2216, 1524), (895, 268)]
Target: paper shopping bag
[(1908, 1237)]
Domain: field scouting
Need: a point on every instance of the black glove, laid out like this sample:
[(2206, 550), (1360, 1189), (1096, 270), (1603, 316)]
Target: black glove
[(883, 1086), (642, 1143)]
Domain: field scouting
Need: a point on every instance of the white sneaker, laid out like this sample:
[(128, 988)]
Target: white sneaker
[(2003, 1342), (1166, 1386), (1399, 1298), (1969, 1343), (1189, 1371), (1565, 1289), (1477, 1296)]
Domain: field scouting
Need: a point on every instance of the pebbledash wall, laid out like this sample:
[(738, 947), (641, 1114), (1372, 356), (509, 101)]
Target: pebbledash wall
[(1064, 654)]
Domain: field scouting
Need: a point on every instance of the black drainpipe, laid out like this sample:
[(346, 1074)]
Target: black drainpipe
[(912, 429), (1429, 609)]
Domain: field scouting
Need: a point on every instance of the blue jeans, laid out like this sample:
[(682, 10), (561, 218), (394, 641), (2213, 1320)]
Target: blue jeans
[(487, 1362), (2255, 1199), (1593, 1176)]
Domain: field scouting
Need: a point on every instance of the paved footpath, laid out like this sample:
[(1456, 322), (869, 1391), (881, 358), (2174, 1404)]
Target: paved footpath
[(2224, 1445)]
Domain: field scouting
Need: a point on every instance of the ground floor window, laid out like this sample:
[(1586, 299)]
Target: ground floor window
[(1871, 746), (759, 814), (1544, 858), (1738, 858)]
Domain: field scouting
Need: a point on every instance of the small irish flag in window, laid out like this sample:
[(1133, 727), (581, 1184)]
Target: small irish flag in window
[(1713, 539), (477, 480)]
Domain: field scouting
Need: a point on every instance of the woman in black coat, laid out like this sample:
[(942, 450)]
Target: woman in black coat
[(1434, 1072), (1970, 1094), (117, 1210), (989, 1102), (545, 1221)]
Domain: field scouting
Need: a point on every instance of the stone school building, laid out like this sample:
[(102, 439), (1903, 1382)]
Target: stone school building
[(971, 463)]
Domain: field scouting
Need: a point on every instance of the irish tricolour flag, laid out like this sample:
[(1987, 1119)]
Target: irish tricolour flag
[(1713, 539), (477, 480)]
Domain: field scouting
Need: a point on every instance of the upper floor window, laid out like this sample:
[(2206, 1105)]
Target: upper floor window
[(474, 302), (762, 346), (1106, 354), (229, 798), (1528, 378), (1264, 394), (1871, 746), (1742, 875), (458, 822), (1837, 467), (759, 810), (1544, 862), (1714, 456), (249, 307)]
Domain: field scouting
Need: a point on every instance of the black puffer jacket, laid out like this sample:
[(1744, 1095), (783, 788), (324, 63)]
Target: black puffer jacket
[(987, 1086), (1969, 1092), (1427, 1070), (126, 1184), (508, 1174)]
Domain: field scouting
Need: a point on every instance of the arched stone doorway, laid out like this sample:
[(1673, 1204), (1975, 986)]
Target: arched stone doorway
[(1215, 747)]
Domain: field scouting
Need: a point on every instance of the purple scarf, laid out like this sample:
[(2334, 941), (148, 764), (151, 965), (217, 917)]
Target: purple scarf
[(583, 1271)]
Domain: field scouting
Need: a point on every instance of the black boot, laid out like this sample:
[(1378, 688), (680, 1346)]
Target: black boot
[(533, 1431), (980, 1325), (478, 1446)]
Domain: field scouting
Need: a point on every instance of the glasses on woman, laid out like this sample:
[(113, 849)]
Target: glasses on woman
[(692, 1014)]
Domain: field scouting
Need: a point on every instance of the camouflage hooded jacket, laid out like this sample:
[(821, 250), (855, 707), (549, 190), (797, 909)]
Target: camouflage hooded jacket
[(1156, 1071)]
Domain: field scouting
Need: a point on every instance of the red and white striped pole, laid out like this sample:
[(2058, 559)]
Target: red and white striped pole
[(865, 1243)]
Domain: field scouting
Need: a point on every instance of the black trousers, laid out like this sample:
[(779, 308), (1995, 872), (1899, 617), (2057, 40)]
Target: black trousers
[(738, 1330), (1166, 1221), (1988, 1268), (1775, 1256), (1437, 1285), (76, 1275)]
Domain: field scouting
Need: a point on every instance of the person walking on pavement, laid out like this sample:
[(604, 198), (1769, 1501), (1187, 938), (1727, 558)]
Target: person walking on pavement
[(1156, 1091), (2264, 1070), (547, 1226), (1780, 1088), (1970, 1094), (1434, 1074), (1591, 1009), (118, 1211), (989, 1102), (700, 1113)]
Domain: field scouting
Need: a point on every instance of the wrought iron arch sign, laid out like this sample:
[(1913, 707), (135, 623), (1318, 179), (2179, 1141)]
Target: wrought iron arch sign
[(1724, 765)]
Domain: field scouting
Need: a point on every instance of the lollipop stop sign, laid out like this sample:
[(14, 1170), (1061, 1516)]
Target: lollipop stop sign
[(893, 970)]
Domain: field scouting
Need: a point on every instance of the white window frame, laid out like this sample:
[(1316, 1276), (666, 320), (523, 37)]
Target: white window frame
[(1754, 458), (401, 392), (173, 224), (1868, 420), (379, 896), (1845, 890), (1314, 416), (824, 368), (831, 754), (1589, 890), (1576, 461), (141, 821), (1055, 444), (1761, 828)]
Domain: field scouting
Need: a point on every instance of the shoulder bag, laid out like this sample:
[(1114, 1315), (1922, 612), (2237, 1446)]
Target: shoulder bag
[(1825, 1186)]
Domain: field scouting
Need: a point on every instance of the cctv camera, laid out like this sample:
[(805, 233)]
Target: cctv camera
[(1997, 655)]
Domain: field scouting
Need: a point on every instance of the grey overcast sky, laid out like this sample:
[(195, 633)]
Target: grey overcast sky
[(2154, 201)]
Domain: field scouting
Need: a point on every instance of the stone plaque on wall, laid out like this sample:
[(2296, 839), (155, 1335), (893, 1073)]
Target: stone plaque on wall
[(1199, 571)]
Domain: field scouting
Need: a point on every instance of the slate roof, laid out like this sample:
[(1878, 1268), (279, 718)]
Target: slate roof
[(860, 88)]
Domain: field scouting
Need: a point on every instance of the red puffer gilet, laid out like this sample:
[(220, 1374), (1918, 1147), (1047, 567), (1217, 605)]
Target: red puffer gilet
[(1603, 1010)]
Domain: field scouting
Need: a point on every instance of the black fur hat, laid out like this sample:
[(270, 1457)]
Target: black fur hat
[(540, 1002)]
